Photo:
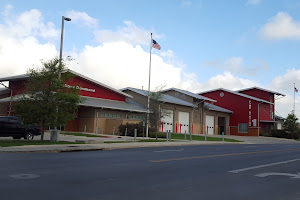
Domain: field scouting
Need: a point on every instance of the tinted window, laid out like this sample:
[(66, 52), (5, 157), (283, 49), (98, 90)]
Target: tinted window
[(14, 120), (3, 119)]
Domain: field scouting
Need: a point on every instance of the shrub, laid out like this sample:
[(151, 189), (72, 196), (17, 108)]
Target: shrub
[(130, 129), (285, 134), (265, 134)]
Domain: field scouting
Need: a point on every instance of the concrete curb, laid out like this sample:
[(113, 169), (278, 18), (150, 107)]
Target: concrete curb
[(99, 147)]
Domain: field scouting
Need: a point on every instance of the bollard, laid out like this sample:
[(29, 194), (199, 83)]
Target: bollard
[(126, 132), (84, 129), (114, 131), (167, 136), (135, 133), (223, 136), (170, 135), (190, 136)]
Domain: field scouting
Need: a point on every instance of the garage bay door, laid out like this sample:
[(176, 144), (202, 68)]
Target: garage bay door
[(183, 119), (210, 121), (166, 121)]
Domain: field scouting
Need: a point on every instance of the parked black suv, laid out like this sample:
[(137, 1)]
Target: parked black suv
[(13, 127)]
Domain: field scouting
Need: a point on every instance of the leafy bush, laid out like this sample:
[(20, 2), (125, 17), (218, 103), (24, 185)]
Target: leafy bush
[(285, 134), (265, 134), (130, 129)]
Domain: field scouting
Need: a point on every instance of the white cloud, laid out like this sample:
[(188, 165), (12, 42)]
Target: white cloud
[(236, 65), (130, 33), (285, 83), (282, 26), (82, 18), (20, 48), (120, 64), (27, 24), (227, 81), (253, 2), (285, 105)]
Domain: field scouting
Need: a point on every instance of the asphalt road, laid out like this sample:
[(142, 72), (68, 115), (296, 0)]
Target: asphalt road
[(238, 171)]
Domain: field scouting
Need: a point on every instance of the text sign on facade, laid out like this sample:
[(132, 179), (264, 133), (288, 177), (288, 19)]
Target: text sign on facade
[(80, 88)]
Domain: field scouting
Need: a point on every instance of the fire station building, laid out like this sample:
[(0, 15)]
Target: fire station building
[(187, 112), (244, 112), (102, 111), (253, 109)]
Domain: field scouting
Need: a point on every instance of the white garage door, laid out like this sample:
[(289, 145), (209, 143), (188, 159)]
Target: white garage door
[(210, 123), (167, 121), (183, 119)]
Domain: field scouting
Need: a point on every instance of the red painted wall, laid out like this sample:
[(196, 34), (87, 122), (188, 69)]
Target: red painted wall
[(18, 87), (240, 106), (259, 94), (100, 92), (266, 110)]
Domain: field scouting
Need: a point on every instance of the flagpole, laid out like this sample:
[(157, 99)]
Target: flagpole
[(148, 110)]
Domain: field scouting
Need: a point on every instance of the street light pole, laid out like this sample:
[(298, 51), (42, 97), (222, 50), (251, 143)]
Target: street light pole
[(54, 135), (62, 39)]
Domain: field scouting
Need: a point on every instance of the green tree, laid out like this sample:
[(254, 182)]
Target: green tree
[(46, 100), (156, 113), (291, 124)]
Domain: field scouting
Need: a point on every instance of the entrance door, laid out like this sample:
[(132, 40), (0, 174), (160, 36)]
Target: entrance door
[(210, 123), (222, 125)]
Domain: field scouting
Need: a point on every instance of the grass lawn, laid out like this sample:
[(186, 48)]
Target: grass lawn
[(10, 143), (152, 140), (111, 142), (138, 140), (200, 138), (80, 134)]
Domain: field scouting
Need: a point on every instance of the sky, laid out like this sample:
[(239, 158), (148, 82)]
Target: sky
[(205, 44)]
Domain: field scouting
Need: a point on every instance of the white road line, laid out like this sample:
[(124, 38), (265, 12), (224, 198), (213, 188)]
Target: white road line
[(261, 166), (168, 150), (249, 146)]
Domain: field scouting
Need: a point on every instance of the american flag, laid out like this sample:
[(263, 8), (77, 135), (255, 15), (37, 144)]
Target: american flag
[(155, 45), (296, 90)]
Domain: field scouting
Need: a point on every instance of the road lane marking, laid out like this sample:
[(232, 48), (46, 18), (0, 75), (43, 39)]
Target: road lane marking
[(278, 174), (266, 165), (220, 155), (168, 150)]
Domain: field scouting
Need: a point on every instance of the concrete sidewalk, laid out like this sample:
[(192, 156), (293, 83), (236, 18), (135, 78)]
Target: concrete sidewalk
[(98, 143), (102, 146)]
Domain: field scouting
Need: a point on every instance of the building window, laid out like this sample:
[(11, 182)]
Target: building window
[(243, 128), (134, 117), (110, 115)]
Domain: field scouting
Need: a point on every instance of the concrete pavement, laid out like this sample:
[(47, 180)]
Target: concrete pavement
[(97, 143)]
